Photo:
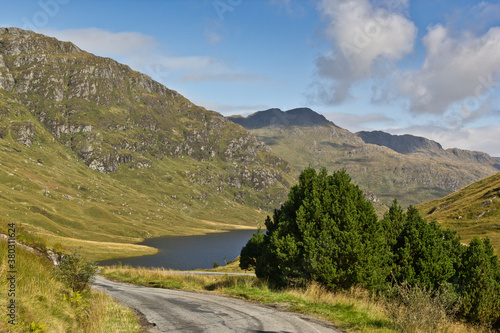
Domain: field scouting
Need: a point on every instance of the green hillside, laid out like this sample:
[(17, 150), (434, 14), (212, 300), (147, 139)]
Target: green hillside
[(94, 154), (473, 210)]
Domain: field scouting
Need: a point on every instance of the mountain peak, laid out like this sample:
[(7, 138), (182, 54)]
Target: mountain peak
[(17, 41), (276, 117), (403, 144), (15, 31)]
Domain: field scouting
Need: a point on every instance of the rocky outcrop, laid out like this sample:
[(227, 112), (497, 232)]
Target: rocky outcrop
[(23, 132)]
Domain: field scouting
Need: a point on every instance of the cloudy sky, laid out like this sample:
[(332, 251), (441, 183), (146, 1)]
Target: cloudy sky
[(423, 67)]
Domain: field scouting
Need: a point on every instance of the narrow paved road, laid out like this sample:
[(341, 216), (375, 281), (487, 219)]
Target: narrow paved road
[(185, 311)]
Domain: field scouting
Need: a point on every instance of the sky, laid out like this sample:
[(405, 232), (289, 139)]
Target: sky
[(424, 67)]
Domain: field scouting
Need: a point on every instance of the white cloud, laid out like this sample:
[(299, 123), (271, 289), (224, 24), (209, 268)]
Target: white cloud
[(357, 122), (362, 36), (143, 53), (212, 36), (102, 42), (230, 110), (454, 69)]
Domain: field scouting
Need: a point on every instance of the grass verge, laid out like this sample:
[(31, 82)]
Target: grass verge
[(43, 304), (353, 311)]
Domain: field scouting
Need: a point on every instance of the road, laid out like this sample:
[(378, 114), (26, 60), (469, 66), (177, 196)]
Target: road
[(185, 311)]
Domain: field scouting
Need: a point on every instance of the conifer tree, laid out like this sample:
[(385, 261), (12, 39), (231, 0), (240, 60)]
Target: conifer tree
[(479, 283), (424, 254), (327, 231)]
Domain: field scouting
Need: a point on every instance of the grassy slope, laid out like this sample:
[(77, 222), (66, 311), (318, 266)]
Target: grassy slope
[(66, 202), (40, 301), (473, 210)]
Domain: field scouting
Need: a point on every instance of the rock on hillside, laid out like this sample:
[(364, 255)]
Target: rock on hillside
[(109, 114)]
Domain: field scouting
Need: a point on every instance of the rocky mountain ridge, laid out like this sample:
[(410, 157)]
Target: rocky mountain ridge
[(408, 144), (411, 168), (403, 144)]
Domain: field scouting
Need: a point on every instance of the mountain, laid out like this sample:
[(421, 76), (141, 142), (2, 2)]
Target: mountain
[(413, 169), (295, 117), (403, 144), (409, 144), (90, 149), (473, 210)]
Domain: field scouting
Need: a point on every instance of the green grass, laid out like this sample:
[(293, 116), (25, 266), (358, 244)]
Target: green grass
[(64, 201), (472, 211), (232, 266)]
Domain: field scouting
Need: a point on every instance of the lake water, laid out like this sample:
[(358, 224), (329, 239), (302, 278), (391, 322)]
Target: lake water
[(190, 252)]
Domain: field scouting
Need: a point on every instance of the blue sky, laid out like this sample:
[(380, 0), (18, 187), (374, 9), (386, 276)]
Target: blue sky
[(428, 68)]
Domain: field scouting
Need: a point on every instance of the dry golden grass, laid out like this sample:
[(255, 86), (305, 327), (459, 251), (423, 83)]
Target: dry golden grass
[(103, 315), (97, 250), (42, 304)]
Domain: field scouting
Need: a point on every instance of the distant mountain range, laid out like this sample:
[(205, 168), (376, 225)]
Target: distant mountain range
[(413, 169), (91, 149)]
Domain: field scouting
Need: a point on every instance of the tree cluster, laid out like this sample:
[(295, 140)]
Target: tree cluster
[(328, 232)]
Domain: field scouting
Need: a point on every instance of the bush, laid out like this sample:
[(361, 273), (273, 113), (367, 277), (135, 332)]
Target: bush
[(77, 273), (327, 232), (421, 309)]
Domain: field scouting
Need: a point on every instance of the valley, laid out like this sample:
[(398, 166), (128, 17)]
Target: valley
[(104, 157), (229, 165)]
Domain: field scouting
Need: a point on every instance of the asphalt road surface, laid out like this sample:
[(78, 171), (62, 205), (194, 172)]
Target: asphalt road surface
[(185, 311)]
